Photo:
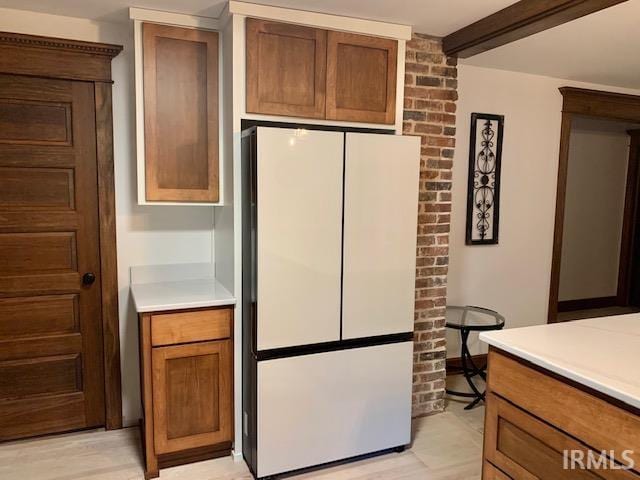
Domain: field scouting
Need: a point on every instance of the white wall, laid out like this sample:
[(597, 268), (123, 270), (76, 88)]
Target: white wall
[(145, 235), (513, 276), (596, 184)]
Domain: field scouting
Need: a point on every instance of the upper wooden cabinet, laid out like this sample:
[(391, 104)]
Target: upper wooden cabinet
[(313, 73), (361, 78), (180, 114), (286, 69)]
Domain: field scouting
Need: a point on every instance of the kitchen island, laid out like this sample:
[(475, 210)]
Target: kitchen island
[(563, 400)]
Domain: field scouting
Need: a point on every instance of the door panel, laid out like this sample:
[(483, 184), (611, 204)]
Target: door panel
[(37, 188), (361, 78), (181, 113), (192, 395), (327, 406), (286, 69), (51, 364), (299, 191), (380, 225)]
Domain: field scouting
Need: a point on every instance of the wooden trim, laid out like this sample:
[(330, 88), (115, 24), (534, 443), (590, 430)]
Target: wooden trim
[(593, 103), (586, 303), (455, 363), (319, 20), (598, 103), (629, 223), (518, 21), (556, 258), (151, 469), (108, 256), (71, 59), (171, 18)]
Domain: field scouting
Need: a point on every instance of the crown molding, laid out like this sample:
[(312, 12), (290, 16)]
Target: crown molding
[(74, 46)]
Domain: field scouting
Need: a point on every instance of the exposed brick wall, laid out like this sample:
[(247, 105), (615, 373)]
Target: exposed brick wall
[(429, 111)]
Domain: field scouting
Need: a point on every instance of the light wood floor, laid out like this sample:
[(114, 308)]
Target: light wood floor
[(446, 446)]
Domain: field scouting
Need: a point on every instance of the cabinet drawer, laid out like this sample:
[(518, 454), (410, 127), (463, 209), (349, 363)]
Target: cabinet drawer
[(593, 420), (525, 447), (185, 327)]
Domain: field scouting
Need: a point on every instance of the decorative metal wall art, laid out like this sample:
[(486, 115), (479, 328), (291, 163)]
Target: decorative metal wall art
[(483, 193)]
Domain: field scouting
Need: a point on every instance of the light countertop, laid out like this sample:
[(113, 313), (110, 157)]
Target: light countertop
[(600, 353), (177, 287)]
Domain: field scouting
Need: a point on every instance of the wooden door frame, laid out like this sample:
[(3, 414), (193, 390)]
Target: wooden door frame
[(591, 103), (57, 58)]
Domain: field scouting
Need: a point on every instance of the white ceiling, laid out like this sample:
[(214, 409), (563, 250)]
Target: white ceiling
[(599, 48), (434, 17)]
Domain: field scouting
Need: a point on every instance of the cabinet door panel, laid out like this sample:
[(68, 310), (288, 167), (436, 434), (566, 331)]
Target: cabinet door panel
[(380, 224), (192, 395), (286, 69), (299, 236), (361, 78), (181, 113)]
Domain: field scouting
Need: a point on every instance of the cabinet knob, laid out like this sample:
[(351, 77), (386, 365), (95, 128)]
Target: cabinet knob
[(88, 278)]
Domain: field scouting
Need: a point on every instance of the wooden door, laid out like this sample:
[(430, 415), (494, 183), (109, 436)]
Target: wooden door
[(361, 78), (51, 362), (181, 114), (286, 69), (192, 395)]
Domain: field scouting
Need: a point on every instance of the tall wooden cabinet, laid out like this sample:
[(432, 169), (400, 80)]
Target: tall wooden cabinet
[(180, 80), (187, 385), (314, 73)]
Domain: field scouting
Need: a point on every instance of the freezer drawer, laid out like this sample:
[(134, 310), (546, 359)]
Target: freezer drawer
[(318, 408)]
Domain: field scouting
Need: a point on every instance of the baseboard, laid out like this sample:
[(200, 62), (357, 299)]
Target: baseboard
[(587, 303), (454, 365), (237, 456)]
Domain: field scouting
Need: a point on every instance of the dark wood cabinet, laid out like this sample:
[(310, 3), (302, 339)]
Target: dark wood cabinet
[(180, 114), (308, 72), (286, 69), (361, 78), (187, 386)]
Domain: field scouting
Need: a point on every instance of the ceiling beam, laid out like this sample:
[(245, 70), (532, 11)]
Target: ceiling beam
[(517, 21)]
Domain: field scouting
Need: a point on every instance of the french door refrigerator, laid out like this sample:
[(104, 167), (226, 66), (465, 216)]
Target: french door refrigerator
[(329, 247)]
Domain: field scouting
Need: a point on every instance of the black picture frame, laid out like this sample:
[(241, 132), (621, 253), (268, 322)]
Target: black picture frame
[(483, 188)]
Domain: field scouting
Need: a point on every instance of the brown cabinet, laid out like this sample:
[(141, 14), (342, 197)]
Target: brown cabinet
[(309, 72), (180, 68), (286, 69), (361, 78), (532, 418), (187, 378)]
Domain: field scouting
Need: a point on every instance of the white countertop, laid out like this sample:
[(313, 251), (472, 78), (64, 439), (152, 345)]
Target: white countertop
[(155, 297), (174, 287), (601, 353)]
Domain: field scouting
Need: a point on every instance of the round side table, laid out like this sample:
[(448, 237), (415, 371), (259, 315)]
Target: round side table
[(466, 320)]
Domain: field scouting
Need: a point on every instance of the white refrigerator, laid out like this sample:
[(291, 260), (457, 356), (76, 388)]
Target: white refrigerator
[(329, 248)]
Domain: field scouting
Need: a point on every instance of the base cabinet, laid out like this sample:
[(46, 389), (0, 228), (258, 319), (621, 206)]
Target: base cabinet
[(187, 387), (539, 427)]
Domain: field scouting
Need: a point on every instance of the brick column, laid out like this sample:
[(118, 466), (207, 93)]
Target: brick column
[(429, 112)]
